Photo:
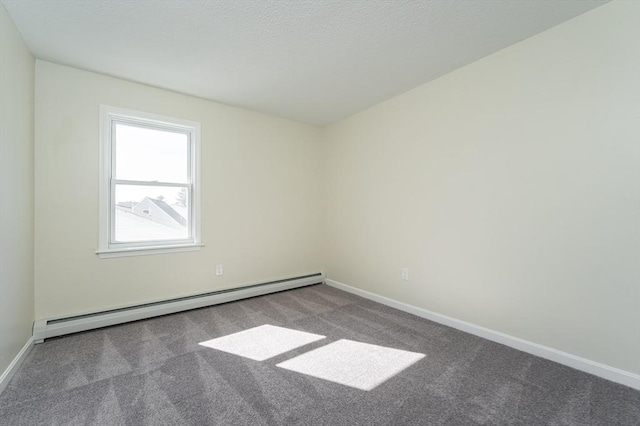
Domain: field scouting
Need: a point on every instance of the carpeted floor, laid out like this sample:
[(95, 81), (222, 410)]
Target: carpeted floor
[(155, 372)]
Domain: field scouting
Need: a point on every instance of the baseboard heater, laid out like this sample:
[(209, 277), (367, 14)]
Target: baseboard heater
[(44, 329)]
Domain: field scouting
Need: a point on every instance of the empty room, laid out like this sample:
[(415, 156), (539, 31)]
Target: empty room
[(320, 212)]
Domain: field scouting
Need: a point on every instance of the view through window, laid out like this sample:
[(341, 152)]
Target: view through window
[(151, 211)]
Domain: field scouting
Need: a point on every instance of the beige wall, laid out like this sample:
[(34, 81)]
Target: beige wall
[(260, 177), (16, 191), (510, 189)]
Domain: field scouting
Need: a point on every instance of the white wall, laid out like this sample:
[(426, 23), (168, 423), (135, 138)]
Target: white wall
[(510, 188), (16, 191), (260, 210)]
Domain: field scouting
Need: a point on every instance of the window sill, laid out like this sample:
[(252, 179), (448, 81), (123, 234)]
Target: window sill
[(146, 251)]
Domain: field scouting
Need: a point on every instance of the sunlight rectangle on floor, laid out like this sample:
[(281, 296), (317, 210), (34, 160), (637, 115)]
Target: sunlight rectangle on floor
[(359, 365), (263, 342)]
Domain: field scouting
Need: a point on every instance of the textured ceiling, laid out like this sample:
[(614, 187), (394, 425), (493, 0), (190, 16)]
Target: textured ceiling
[(313, 61)]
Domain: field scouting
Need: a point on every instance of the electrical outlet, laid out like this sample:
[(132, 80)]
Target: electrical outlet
[(219, 270), (405, 274)]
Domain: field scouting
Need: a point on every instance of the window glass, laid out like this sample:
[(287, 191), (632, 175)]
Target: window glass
[(146, 213), (145, 154)]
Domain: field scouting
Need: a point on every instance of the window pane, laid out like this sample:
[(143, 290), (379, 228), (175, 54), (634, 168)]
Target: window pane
[(151, 155), (151, 213)]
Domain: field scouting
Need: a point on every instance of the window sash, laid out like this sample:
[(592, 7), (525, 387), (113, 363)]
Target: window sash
[(149, 243), (164, 127)]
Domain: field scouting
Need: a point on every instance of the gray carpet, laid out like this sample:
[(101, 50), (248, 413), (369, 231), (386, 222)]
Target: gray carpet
[(155, 372)]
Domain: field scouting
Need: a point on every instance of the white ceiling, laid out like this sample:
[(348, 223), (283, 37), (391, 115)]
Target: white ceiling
[(315, 61)]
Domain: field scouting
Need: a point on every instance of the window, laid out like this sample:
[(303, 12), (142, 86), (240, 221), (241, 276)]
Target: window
[(149, 192)]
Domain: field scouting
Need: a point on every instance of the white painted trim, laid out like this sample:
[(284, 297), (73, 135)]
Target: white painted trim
[(106, 248), (601, 370), (140, 251), (43, 329), (15, 364)]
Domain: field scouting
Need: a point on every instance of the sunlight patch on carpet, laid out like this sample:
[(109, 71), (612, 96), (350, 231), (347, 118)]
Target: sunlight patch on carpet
[(263, 342), (359, 365)]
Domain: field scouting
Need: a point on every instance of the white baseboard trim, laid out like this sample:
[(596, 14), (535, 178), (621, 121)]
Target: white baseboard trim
[(15, 364), (601, 370), (46, 328)]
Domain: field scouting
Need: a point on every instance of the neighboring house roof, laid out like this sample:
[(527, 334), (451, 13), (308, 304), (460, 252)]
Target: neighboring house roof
[(127, 204), (169, 210), (182, 210), (166, 208)]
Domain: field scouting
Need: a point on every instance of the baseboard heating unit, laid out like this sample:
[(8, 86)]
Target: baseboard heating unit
[(44, 329)]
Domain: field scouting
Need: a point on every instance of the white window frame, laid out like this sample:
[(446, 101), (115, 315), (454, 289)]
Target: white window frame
[(108, 247)]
